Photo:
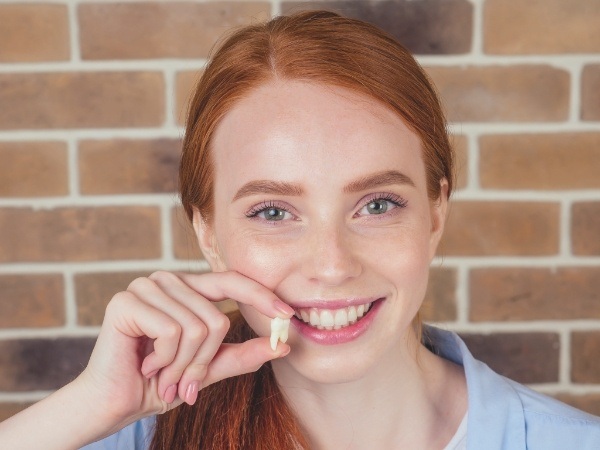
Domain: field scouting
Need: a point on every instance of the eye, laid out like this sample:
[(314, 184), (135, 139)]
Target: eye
[(269, 212), (380, 204)]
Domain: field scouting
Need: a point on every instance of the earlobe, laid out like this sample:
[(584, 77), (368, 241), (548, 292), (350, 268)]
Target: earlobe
[(207, 242)]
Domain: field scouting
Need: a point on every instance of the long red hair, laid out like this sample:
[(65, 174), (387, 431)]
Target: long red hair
[(249, 411)]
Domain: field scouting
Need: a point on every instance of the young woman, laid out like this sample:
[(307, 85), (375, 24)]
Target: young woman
[(316, 171)]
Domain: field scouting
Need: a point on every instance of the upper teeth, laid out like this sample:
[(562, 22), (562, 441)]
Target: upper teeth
[(332, 319)]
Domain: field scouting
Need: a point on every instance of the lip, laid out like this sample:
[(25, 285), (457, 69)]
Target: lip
[(342, 335)]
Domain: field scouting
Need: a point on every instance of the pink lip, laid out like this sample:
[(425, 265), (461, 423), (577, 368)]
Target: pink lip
[(341, 336)]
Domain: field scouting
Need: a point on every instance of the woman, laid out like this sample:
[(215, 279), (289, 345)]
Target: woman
[(316, 171)]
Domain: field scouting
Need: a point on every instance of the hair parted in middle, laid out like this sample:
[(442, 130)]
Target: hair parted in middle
[(249, 411)]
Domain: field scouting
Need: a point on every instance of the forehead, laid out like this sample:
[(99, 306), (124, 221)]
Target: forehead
[(289, 130)]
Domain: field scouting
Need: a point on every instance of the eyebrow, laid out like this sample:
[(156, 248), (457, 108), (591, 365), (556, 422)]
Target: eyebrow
[(374, 180)]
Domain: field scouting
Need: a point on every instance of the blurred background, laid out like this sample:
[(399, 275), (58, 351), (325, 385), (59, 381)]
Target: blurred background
[(92, 102)]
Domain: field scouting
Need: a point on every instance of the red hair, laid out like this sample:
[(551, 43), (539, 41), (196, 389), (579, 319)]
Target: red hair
[(249, 411)]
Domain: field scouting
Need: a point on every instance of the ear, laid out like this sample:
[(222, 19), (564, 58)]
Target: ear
[(439, 211), (207, 242)]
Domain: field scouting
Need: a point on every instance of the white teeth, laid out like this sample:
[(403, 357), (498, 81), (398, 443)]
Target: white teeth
[(326, 319), (279, 331)]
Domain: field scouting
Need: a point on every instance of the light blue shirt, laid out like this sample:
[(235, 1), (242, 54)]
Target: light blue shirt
[(503, 415)]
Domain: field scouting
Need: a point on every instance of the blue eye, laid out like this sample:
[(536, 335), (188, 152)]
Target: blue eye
[(269, 212), (381, 203)]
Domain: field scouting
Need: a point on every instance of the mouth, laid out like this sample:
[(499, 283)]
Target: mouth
[(333, 319)]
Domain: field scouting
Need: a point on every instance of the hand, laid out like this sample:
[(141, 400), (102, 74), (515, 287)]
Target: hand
[(162, 341)]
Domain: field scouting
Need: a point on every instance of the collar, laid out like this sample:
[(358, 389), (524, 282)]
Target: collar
[(496, 416)]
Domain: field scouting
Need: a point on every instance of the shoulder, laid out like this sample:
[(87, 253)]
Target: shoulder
[(550, 421), (506, 415), (136, 436)]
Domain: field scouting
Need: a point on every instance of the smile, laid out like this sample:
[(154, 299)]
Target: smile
[(332, 319)]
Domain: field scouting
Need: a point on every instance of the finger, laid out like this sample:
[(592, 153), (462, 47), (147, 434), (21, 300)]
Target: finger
[(193, 324), (133, 317), (236, 359), (216, 323), (218, 286)]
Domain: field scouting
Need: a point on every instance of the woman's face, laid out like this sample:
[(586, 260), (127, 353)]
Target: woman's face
[(320, 195)]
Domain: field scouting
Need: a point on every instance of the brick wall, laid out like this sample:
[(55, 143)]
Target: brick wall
[(92, 96)]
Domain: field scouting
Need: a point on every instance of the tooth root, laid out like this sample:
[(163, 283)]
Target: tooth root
[(274, 339), (279, 331)]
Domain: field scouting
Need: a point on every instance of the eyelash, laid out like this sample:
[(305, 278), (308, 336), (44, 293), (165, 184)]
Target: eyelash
[(396, 200), (264, 206)]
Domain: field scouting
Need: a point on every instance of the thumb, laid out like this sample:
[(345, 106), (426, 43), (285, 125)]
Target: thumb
[(236, 359)]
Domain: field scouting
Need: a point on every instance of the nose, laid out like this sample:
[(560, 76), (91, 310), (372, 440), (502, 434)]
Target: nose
[(331, 258)]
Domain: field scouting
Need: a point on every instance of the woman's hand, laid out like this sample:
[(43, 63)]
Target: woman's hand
[(162, 341)]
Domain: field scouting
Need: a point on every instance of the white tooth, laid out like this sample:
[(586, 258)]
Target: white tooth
[(327, 318), (279, 330), (360, 310), (341, 318), (305, 316), (314, 318), (367, 307), (352, 314)]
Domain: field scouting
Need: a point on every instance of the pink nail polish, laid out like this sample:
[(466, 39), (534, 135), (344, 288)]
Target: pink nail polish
[(284, 308), (191, 393), (170, 393)]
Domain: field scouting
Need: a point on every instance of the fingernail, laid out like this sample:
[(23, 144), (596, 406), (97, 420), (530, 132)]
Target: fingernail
[(191, 394), (170, 393), (284, 308), (151, 374)]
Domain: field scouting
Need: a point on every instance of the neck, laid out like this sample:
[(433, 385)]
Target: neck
[(414, 400)]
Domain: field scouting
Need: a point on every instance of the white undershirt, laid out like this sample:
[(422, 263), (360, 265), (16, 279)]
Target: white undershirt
[(459, 440)]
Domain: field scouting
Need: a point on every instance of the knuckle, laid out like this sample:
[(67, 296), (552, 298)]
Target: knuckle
[(221, 324), (139, 283), (197, 331), (163, 276), (171, 330)]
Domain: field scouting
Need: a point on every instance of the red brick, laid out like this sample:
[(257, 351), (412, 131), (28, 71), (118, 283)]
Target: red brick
[(79, 234), (34, 33), (523, 357), (129, 166), (503, 93), (185, 83), (518, 293), (585, 363), (541, 26), (93, 291), (585, 402), (185, 243), (424, 27), (440, 300), (81, 100), (590, 92), (585, 226), (33, 169), (461, 149), (42, 364), (540, 161), (34, 300), (142, 30), (501, 228)]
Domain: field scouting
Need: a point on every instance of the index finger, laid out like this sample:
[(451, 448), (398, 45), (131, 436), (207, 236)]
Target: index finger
[(218, 286)]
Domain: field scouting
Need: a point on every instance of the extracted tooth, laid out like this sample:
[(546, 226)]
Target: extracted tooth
[(279, 331)]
